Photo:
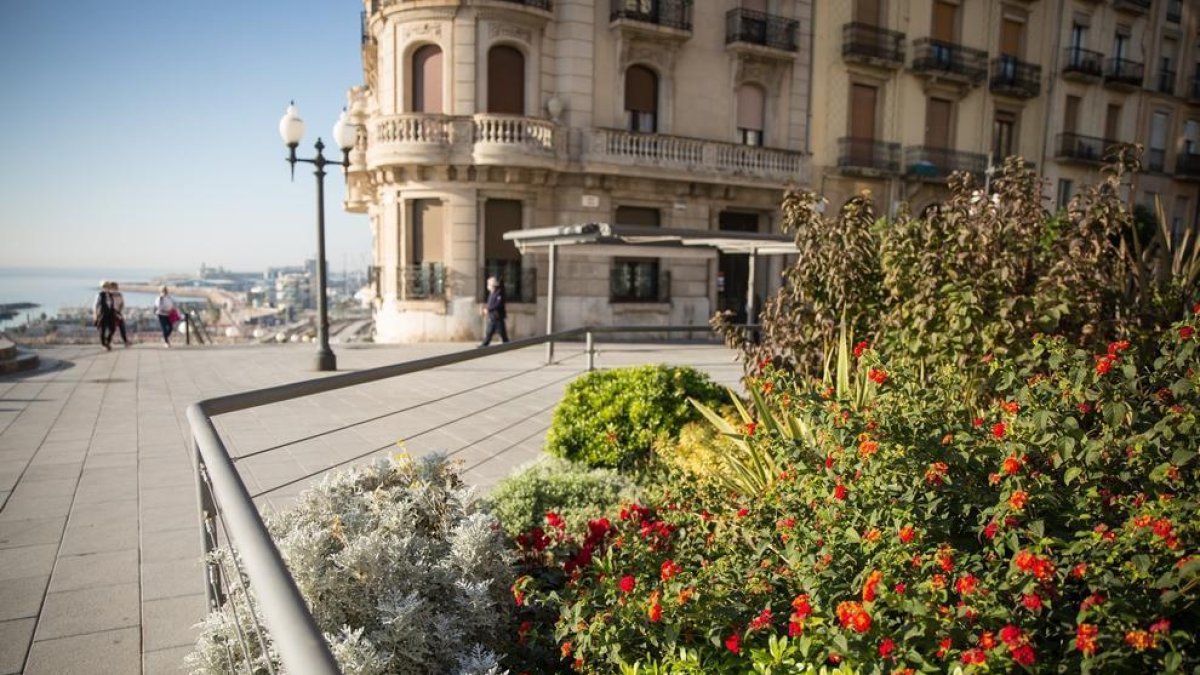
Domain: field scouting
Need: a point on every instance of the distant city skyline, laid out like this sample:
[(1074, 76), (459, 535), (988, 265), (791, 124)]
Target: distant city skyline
[(143, 134)]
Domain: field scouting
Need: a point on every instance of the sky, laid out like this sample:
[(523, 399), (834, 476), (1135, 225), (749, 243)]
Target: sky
[(144, 134)]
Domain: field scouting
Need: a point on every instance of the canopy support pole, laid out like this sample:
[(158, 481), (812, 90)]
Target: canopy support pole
[(751, 310), (551, 277)]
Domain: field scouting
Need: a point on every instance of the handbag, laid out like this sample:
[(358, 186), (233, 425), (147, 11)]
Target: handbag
[(174, 316)]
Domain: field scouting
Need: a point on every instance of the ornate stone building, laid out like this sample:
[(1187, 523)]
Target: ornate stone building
[(483, 116)]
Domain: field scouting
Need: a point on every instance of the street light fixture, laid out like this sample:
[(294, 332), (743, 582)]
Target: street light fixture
[(291, 128)]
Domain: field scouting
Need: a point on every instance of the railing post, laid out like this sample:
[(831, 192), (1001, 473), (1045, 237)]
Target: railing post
[(187, 326), (591, 352), (213, 593)]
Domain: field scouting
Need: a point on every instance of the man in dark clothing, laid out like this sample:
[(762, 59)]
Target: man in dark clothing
[(496, 313), (104, 315)]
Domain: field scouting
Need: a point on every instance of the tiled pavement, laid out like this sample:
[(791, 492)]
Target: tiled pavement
[(99, 542)]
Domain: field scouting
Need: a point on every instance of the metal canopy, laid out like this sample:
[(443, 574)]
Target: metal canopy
[(605, 234), (604, 238)]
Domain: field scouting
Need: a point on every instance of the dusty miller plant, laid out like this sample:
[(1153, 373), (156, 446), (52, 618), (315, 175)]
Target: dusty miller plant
[(400, 571)]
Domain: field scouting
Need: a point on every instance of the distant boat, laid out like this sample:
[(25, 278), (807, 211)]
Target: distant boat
[(12, 309)]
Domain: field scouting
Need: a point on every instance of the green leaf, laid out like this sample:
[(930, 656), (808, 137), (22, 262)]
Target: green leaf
[(1071, 474)]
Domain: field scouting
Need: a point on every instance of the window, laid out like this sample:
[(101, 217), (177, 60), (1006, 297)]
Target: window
[(641, 99), (750, 114), (868, 12), (1003, 134), (1078, 36), (1112, 124), (938, 113), (1071, 114), (1166, 67), (636, 280), (1121, 43), (427, 80), (506, 81), (1012, 33), (501, 259), (1157, 154), (1191, 137), (427, 232), (1064, 193), (637, 215)]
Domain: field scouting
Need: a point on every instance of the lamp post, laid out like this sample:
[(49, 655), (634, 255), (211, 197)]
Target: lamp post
[(291, 128)]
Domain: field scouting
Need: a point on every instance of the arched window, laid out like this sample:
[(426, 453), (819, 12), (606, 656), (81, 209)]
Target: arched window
[(506, 81), (751, 111), (427, 80), (641, 99)]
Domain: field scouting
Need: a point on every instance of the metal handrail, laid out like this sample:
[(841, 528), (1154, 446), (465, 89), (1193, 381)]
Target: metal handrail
[(298, 640)]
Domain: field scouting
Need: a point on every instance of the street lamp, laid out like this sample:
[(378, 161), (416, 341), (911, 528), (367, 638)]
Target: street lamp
[(291, 128)]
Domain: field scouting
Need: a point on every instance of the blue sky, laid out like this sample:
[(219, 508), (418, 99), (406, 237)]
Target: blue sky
[(144, 133)]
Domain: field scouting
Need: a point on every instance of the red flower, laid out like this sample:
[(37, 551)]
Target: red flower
[(1140, 640), (966, 585), (1032, 601), (990, 530), (1011, 465), (1093, 600), (852, 615), (1010, 407), (1085, 638), (1018, 500), (860, 348), (1196, 308), (1084, 408), (654, 611), (565, 649), (734, 643), (1160, 626), (974, 656), (906, 533), (750, 428), (861, 622), (800, 607), (839, 492), (936, 473), (1117, 347), (627, 584), (900, 588), (998, 429), (743, 512), (554, 520), (795, 628), (669, 569), (763, 620), (887, 647), (977, 422), (1012, 636), (943, 647), (868, 591), (1186, 332), (987, 640), (1024, 655), (877, 376), (1104, 364)]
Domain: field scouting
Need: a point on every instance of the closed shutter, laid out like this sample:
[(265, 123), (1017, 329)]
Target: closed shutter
[(862, 111), (428, 232), (945, 21), (1071, 115), (427, 80), (506, 81), (1010, 37), (637, 215), (868, 12), (750, 107), (1112, 122), (937, 123)]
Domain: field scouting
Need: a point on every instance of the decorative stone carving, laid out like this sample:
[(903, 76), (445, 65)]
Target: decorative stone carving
[(764, 72), (505, 30), (660, 55), (431, 29)]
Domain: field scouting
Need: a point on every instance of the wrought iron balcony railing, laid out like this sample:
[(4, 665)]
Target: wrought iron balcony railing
[(868, 154), (926, 163), (1166, 82), (675, 14), (1187, 165), (1174, 10), (365, 20), (1123, 72), (1014, 77), (639, 281), (759, 28), (1156, 159), (1083, 63), (949, 59), (872, 44), (1082, 148), (520, 283), (426, 281), (546, 5), (1193, 88)]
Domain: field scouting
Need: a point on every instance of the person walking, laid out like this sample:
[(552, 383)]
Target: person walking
[(496, 312), (104, 315), (164, 308), (114, 289)]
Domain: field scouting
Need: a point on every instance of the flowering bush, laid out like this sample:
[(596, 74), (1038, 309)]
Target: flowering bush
[(1057, 528), (611, 418), (576, 493), (400, 572)]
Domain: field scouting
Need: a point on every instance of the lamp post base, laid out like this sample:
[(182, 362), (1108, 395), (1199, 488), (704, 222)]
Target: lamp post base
[(326, 361)]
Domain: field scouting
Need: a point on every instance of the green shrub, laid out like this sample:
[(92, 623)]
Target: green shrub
[(401, 573), (1055, 530), (575, 492), (611, 418)]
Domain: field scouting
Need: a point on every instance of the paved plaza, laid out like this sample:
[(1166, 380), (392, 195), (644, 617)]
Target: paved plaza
[(99, 536)]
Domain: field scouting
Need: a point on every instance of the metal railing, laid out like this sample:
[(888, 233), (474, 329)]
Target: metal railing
[(1082, 148), (760, 28), (675, 14), (279, 611), (1139, 6), (927, 163), (1123, 72), (1166, 81), (1193, 89), (1174, 10), (1083, 63), (545, 5), (1156, 159), (947, 58), (520, 283), (631, 281), (1187, 165), (863, 41), (1014, 77), (421, 282), (868, 153)]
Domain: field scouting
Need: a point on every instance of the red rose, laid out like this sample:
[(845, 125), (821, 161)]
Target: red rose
[(627, 584)]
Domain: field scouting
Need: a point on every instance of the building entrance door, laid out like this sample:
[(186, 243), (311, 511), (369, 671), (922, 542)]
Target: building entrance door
[(732, 269)]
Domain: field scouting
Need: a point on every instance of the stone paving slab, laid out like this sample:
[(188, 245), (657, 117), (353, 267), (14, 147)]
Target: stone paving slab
[(99, 540)]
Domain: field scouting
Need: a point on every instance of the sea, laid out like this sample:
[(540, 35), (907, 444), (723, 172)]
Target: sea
[(54, 289)]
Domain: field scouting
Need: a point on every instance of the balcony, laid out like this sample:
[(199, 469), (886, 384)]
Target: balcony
[(1174, 11), (759, 33), (1156, 159), (1123, 73), (1086, 149), (483, 139), (935, 58), (426, 281), (936, 164), (1134, 6), (658, 155), (1082, 65), (867, 156), (872, 45), (657, 19), (1193, 90), (520, 283), (1166, 82), (543, 5), (1016, 78), (1187, 166)]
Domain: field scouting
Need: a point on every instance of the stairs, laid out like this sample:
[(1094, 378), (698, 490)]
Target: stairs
[(13, 359)]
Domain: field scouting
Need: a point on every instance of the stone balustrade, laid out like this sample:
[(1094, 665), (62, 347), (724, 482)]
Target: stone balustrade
[(696, 157)]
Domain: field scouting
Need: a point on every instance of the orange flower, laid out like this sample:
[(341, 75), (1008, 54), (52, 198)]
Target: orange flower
[(868, 591), (1140, 640), (987, 640), (1010, 407), (1018, 500), (685, 595), (565, 649), (1085, 638), (871, 535), (877, 375), (1011, 465), (906, 533), (868, 448), (654, 611)]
